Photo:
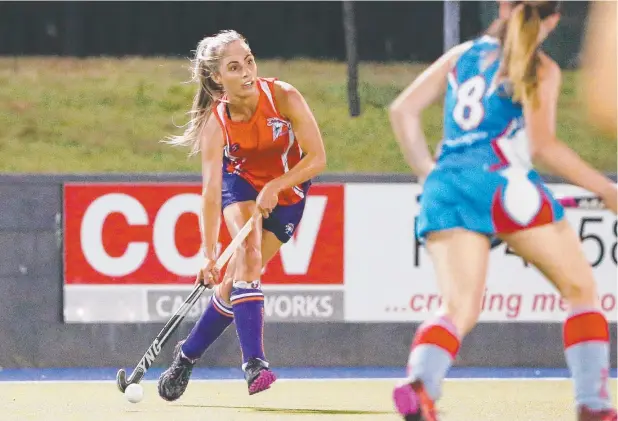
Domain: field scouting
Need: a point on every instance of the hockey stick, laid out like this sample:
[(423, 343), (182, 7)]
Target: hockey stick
[(574, 202), (155, 347)]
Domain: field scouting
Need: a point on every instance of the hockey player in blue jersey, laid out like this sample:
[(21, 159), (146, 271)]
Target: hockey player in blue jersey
[(500, 110)]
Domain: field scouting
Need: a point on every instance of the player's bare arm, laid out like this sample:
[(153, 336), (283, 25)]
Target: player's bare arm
[(292, 105), (212, 158), (599, 66), (548, 150), (405, 112)]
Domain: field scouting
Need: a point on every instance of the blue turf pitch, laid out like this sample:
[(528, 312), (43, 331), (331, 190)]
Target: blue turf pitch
[(30, 374)]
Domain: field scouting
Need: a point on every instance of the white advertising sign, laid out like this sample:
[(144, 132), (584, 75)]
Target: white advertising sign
[(389, 276)]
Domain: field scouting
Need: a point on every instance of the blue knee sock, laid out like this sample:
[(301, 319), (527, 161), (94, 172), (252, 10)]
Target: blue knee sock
[(216, 318), (248, 305)]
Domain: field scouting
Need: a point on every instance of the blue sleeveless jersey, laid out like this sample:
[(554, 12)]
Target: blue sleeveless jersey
[(484, 180), (483, 127)]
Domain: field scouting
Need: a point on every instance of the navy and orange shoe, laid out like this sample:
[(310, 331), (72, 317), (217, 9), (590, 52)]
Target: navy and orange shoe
[(259, 377), (413, 403)]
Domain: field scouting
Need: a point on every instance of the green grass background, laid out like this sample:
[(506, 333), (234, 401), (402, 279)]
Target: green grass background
[(64, 115)]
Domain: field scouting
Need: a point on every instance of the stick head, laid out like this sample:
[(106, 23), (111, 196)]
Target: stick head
[(121, 380)]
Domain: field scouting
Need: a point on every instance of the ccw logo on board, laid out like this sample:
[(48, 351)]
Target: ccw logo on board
[(149, 234)]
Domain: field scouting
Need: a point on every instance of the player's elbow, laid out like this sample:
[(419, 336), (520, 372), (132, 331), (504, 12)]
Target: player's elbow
[(395, 116), (395, 111), (210, 195), (542, 152), (319, 162), (400, 110), (536, 153)]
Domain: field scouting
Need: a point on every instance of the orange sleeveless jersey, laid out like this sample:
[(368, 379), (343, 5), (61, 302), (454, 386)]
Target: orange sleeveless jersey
[(263, 148)]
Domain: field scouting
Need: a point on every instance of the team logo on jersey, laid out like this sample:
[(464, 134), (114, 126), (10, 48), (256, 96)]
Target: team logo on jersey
[(280, 127), (289, 229)]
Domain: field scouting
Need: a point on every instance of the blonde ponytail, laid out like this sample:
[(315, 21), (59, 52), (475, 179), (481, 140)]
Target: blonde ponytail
[(520, 46)]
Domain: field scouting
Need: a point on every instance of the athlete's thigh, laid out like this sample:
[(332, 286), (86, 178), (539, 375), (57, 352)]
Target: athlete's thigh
[(459, 260), (236, 216), (556, 251), (238, 204), (270, 246), (455, 219)]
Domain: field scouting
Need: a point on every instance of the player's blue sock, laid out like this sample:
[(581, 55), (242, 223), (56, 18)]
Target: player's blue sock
[(434, 348), (216, 318), (586, 347), (248, 304)]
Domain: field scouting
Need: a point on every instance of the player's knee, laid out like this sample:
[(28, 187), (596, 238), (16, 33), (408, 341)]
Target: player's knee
[(227, 280), (224, 289), (251, 256)]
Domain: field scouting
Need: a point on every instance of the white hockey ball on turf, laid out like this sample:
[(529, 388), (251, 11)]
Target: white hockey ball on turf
[(134, 393)]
